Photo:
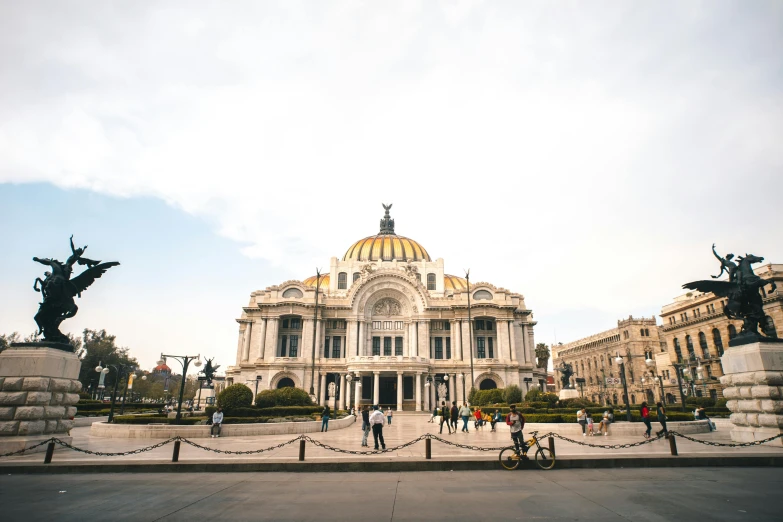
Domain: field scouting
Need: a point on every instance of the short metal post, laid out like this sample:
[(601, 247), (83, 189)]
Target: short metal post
[(672, 445), (301, 449), (49, 453), (175, 456), (428, 449), (552, 446)]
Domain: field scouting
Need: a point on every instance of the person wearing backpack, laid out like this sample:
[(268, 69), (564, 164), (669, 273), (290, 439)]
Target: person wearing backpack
[(445, 417), (646, 420), (516, 421)]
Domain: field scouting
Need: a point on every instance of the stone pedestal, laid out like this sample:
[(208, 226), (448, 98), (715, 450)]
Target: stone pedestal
[(568, 393), (38, 395), (753, 383)]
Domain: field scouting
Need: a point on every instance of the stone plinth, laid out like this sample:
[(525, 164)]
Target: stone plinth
[(753, 383), (568, 393), (38, 394)]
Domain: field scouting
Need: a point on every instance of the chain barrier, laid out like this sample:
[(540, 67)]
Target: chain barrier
[(465, 446), (114, 454), (242, 452), (18, 452), (367, 452), (605, 446), (727, 445)]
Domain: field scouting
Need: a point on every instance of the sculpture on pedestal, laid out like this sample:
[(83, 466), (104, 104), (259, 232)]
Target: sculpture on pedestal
[(566, 371), (209, 371), (442, 390), (744, 298), (58, 291)]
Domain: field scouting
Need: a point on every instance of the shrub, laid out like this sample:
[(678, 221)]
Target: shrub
[(512, 394), (577, 402), (536, 395), (721, 403), (155, 419), (700, 401), (266, 399), (235, 396), (484, 397), (275, 411), (472, 395), (283, 397)]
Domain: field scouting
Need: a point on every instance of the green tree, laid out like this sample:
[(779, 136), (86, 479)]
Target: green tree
[(98, 347), (542, 354), (513, 394)]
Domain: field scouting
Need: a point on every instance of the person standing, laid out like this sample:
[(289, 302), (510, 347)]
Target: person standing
[(445, 416), (496, 418), (217, 420), (661, 411), (516, 421), (454, 415), (365, 424), (464, 412), (376, 422), (389, 415), (590, 424), (477, 415), (325, 418), (581, 418), (646, 420)]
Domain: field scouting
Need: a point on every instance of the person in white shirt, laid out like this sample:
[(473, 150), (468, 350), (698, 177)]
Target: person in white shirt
[(217, 420), (581, 418), (376, 423), (389, 415)]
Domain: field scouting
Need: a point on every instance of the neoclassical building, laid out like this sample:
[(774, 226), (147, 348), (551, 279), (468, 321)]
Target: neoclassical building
[(388, 326)]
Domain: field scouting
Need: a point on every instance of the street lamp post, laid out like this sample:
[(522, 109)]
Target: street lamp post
[(315, 324), (185, 360), (619, 360), (581, 382), (462, 378), (470, 332), (259, 378), (118, 370), (348, 380)]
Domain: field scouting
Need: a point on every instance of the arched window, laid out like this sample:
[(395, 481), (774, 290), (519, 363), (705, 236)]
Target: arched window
[(677, 349), (356, 275), (732, 332), (286, 382), (689, 345), (614, 399), (717, 340), (482, 294), (430, 281), (488, 384), (703, 344), (342, 281), (293, 292)]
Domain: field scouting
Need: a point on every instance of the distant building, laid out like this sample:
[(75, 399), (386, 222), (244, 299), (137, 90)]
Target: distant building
[(696, 332), (593, 359)]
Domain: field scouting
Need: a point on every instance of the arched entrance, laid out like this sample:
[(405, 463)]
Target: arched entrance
[(285, 382), (488, 384)]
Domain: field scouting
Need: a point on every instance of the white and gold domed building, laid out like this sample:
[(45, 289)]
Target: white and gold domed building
[(390, 327)]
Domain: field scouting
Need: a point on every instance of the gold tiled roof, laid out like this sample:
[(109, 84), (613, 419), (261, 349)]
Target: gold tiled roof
[(451, 282), (310, 281), (386, 247)]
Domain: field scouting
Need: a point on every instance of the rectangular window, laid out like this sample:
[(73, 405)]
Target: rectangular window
[(376, 325), (447, 325), (294, 349), (367, 387), (490, 325), (398, 325), (376, 345), (398, 346), (438, 347), (296, 324), (283, 345), (285, 323), (480, 348), (387, 345), (407, 388), (326, 347), (490, 347), (448, 347), (342, 281), (387, 325), (479, 324), (336, 347)]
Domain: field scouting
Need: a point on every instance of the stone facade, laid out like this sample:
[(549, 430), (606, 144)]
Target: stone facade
[(696, 333), (388, 317), (593, 359)]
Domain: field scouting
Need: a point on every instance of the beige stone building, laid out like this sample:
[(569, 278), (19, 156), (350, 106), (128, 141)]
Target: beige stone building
[(391, 328), (696, 332), (593, 359)]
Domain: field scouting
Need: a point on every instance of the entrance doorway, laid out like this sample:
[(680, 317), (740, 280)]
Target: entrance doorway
[(387, 393)]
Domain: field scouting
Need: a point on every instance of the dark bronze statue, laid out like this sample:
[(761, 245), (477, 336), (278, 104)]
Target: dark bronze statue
[(566, 371), (209, 371), (744, 298), (58, 291)]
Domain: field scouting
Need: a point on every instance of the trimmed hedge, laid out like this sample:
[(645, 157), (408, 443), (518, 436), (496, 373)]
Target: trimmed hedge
[(235, 396), (283, 397), (98, 405), (484, 397), (700, 401), (155, 419), (276, 411)]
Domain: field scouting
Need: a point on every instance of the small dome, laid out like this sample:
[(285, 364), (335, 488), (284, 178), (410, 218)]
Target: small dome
[(451, 282), (311, 281), (162, 368), (386, 245)]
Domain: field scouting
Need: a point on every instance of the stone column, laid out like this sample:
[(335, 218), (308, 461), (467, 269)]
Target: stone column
[(376, 387), (246, 341), (347, 402), (424, 339), (427, 396), (414, 340), (502, 337), (270, 352), (452, 384), (460, 395), (322, 390), (342, 391), (753, 380), (357, 391), (418, 391), (262, 344), (399, 391), (306, 343), (351, 341), (459, 349), (524, 343), (512, 339), (465, 335), (433, 394)]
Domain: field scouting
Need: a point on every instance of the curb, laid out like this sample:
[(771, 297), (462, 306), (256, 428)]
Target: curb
[(390, 466)]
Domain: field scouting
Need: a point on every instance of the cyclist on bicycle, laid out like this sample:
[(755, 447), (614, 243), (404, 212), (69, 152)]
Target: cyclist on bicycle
[(517, 421)]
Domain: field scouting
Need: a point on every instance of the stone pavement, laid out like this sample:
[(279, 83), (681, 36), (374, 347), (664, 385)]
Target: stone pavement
[(403, 429), (693, 494)]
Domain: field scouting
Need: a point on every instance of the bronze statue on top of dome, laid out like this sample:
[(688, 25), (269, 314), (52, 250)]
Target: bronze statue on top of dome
[(387, 223)]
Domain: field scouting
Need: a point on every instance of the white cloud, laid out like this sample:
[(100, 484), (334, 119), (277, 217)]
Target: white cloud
[(573, 154)]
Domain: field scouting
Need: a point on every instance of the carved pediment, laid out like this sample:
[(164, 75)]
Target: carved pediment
[(387, 306)]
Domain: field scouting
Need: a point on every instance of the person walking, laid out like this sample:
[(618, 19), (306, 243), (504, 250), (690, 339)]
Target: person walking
[(365, 424), (464, 412), (454, 415), (661, 411), (581, 418), (496, 418), (376, 421), (217, 420), (445, 416), (325, 418), (434, 414), (516, 421), (389, 415), (477, 415), (646, 420)]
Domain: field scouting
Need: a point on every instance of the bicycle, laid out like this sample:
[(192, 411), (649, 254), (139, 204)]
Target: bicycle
[(510, 457)]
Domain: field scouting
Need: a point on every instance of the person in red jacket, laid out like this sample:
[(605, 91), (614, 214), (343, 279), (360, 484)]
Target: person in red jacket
[(646, 420), (477, 414)]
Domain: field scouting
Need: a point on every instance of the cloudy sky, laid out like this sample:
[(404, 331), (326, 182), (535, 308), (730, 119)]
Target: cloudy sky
[(585, 154)]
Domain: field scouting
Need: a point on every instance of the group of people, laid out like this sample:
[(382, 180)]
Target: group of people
[(450, 415), (374, 422), (585, 419)]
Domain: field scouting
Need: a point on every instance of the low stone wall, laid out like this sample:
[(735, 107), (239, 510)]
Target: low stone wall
[(619, 428), (166, 431), (80, 422)]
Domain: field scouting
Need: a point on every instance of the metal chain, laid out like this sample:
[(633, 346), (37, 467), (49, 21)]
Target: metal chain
[(47, 441), (243, 452), (729, 445), (368, 452), (117, 454), (605, 446), (464, 446)]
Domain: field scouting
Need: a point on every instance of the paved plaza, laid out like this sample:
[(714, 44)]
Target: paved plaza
[(403, 429), (719, 494)]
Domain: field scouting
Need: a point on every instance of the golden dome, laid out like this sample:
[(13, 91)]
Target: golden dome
[(451, 282), (310, 281), (386, 245)]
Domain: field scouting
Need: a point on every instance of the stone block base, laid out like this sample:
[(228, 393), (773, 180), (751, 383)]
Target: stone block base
[(568, 393), (9, 444), (753, 433)]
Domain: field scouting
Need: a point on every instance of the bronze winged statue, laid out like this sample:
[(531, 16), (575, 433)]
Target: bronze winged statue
[(209, 371), (58, 291), (744, 298)]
